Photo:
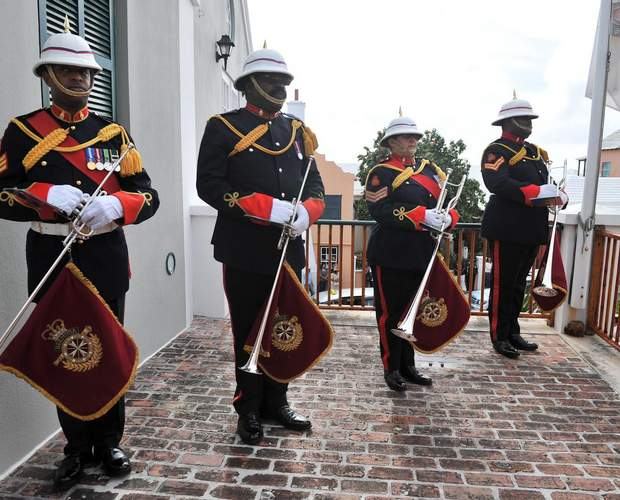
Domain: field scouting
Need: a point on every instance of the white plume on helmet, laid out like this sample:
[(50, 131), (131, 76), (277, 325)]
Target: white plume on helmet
[(66, 49), (262, 61), (513, 109), (403, 125)]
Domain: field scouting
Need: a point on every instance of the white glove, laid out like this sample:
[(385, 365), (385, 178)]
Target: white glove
[(65, 197), (547, 191), (302, 221), (102, 210), (551, 191), (281, 211), (435, 219)]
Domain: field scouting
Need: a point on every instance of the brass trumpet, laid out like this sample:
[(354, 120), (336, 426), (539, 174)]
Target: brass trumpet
[(251, 366), (404, 330)]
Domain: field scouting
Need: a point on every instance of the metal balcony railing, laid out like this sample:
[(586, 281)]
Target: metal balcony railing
[(604, 303), (337, 275)]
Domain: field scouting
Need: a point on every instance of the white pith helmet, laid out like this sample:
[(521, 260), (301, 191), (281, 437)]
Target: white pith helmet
[(403, 125), (515, 108), (67, 49), (263, 61)]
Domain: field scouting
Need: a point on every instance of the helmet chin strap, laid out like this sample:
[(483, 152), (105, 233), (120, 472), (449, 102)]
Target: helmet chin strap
[(519, 126), (65, 90), (265, 95)]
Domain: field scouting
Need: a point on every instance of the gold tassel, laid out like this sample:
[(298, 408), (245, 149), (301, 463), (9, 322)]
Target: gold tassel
[(311, 143), (49, 142), (518, 157), (132, 163), (544, 154)]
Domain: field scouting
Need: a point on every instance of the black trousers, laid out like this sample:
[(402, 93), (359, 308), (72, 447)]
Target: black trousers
[(394, 289), (246, 293), (511, 264), (103, 432)]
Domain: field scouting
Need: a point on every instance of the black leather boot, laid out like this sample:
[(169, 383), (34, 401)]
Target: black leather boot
[(520, 343), (289, 418), (411, 374), (69, 471), (249, 428), (114, 461), (505, 349), (395, 381)]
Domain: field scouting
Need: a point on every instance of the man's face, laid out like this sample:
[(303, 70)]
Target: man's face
[(520, 126), (403, 145), (72, 78), (274, 84)]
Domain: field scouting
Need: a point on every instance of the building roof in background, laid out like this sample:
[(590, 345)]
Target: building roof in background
[(607, 199), (612, 141)]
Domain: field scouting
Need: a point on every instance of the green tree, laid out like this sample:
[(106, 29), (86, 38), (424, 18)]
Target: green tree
[(433, 147)]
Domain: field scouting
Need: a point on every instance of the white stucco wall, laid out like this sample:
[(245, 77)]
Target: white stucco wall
[(208, 290), (26, 418)]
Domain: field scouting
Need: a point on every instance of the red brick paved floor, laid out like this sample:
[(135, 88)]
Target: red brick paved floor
[(545, 426)]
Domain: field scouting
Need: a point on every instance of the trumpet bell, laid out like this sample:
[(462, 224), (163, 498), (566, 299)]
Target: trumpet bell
[(545, 291), (250, 367), (409, 337)]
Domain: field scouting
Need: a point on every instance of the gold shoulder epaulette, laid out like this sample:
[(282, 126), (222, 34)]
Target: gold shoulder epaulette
[(516, 157), (440, 173)]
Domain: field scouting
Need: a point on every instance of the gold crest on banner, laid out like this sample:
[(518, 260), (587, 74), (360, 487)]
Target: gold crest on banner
[(77, 351), (287, 334), (433, 311)]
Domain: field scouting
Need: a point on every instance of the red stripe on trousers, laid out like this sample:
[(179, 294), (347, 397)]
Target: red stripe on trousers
[(382, 321), (236, 396), (496, 282)]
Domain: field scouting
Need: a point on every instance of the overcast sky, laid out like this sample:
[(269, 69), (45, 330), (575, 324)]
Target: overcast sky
[(450, 64)]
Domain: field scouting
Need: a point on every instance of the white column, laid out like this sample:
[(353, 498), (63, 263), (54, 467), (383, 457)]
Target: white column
[(583, 249)]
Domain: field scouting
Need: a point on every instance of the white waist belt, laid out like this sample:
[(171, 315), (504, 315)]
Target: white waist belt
[(64, 229)]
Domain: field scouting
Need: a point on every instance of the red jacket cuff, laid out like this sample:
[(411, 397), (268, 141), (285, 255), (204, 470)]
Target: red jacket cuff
[(416, 215), (530, 191), (41, 190), (132, 204), (455, 218), (257, 204), (315, 208)]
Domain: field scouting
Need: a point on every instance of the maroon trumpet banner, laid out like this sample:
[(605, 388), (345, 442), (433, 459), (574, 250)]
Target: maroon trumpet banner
[(297, 335), (443, 313), (558, 281), (73, 350)]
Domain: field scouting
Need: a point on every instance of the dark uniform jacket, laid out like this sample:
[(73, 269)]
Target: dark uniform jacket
[(513, 172), (398, 197), (242, 182), (102, 258)]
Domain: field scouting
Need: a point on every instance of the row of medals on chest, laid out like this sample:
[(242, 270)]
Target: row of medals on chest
[(101, 159)]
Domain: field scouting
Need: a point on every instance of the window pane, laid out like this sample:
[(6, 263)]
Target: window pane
[(333, 207)]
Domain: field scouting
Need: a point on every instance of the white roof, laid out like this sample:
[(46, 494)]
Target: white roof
[(612, 141), (607, 195)]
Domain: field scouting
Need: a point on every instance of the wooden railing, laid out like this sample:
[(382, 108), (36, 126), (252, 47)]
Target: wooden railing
[(340, 245), (603, 304)]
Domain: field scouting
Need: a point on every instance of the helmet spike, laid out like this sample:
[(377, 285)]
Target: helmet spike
[(400, 111), (514, 94), (67, 24), (264, 44)]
